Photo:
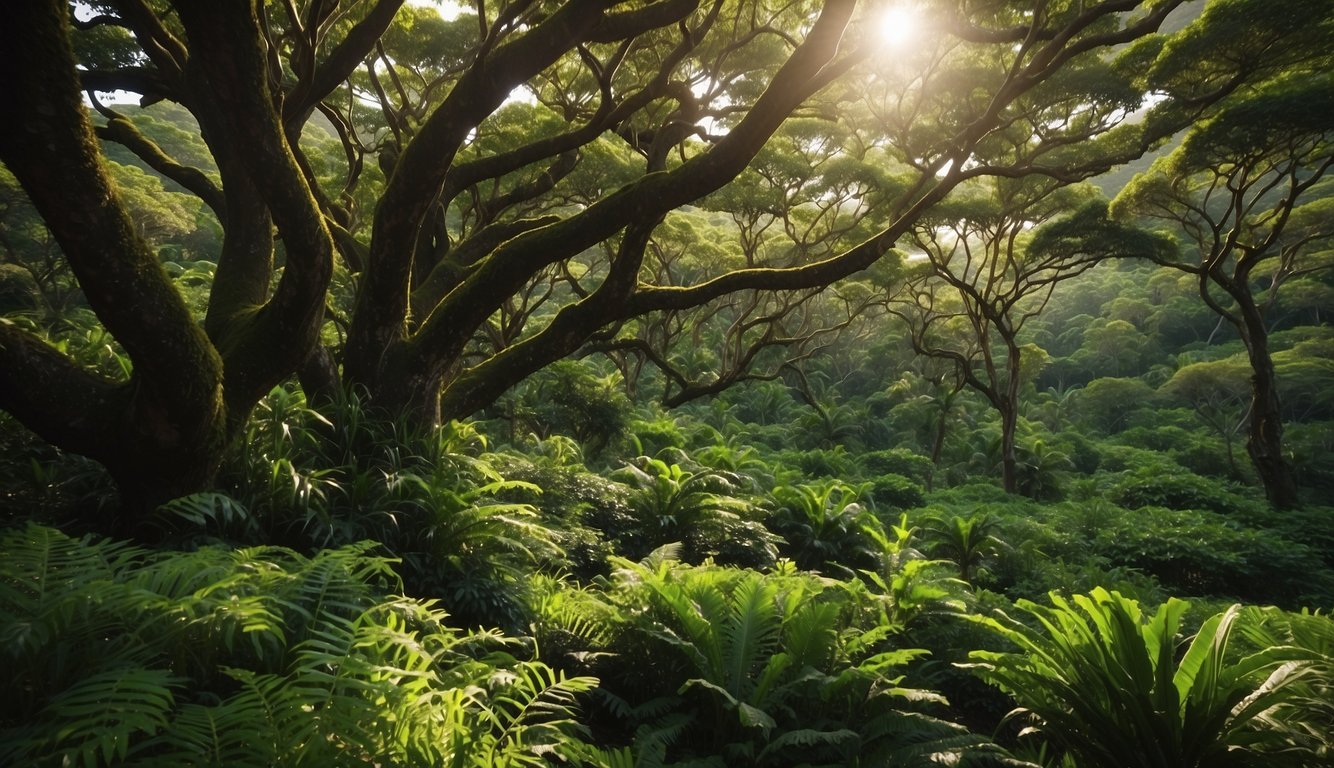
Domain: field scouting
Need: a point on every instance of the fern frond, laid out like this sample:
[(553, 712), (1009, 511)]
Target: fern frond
[(101, 715)]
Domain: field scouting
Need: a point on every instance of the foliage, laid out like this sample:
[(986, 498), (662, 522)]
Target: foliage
[(1102, 682), (461, 531), (825, 526), (771, 673), (116, 655), (896, 461), (1178, 490), (570, 399), (1200, 553), (700, 508), (966, 541), (891, 491), (719, 205)]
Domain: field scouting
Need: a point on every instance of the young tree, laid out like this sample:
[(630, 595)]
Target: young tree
[(983, 278), (1236, 190), (486, 157), (1218, 392)]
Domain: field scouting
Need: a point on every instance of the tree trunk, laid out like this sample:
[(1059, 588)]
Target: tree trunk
[(1265, 433), (1009, 458), (162, 432), (1009, 410)]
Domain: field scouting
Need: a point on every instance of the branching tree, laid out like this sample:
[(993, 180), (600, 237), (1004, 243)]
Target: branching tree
[(1218, 392), (979, 282), (1236, 191), (519, 147)]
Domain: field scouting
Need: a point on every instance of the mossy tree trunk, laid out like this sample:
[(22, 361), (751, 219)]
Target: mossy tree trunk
[(162, 431)]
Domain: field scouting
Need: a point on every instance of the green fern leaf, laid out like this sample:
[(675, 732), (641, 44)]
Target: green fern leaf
[(99, 716)]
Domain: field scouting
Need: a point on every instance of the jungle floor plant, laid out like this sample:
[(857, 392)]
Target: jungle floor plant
[(750, 668), (1103, 684), (115, 655)]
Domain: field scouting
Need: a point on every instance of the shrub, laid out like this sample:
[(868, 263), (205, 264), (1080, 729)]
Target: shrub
[(825, 527), (569, 398), (833, 462), (652, 437), (1200, 553), (896, 461), (890, 491), (1178, 490), (701, 508), (768, 669), (113, 655), (1104, 684), (968, 542), (431, 497)]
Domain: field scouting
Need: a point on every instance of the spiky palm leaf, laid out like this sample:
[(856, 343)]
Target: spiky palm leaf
[(1104, 682)]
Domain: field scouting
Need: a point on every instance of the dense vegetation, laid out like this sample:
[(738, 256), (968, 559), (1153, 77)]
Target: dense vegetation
[(667, 383)]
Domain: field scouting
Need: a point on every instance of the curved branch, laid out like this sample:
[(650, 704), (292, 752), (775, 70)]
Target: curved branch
[(807, 70), (55, 398), (120, 130), (230, 61)]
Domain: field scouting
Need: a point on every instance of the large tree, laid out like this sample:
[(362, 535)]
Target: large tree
[(1237, 190), (508, 168)]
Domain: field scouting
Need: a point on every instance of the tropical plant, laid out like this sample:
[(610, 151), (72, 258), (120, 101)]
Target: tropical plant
[(311, 479), (904, 586), (771, 672), (1309, 715), (700, 508), (115, 655), (1041, 466), (968, 542), (1104, 685), (825, 526), (1202, 553)]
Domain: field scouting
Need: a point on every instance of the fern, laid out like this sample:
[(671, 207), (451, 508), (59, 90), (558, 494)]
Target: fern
[(256, 656), (94, 721), (773, 672), (215, 513)]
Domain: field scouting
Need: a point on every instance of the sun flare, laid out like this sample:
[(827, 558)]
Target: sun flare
[(900, 25)]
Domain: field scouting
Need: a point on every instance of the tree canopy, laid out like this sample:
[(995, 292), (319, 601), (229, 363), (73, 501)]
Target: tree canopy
[(430, 208)]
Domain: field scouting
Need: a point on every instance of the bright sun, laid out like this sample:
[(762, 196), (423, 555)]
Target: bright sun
[(899, 25)]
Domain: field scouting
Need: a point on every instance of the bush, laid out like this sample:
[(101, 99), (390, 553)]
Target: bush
[(890, 491), (703, 509), (1083, 452), (1107, 405), (896, 461), (569, 398), (819, 462), (591, 516), (653, 436), (767, 669), (825, 527), (431, 497), (1179, 490), (113, 655), (1200, 553), (1103, 684)]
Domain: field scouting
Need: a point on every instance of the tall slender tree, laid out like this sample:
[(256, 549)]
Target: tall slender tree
[(981, 276)]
